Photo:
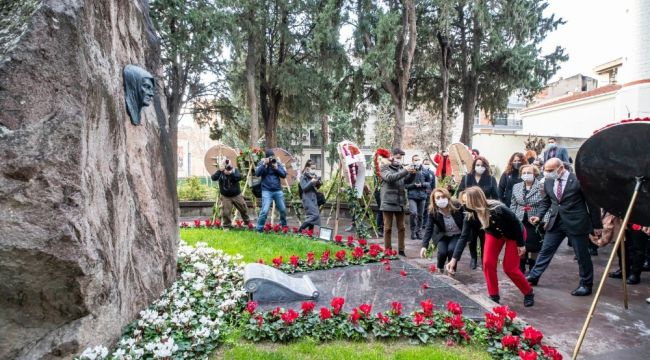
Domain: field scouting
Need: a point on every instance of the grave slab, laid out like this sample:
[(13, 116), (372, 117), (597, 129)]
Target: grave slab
[(373, 284)]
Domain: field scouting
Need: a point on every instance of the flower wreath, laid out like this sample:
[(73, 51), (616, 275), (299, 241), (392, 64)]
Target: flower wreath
[(621, 122), (383, 153)]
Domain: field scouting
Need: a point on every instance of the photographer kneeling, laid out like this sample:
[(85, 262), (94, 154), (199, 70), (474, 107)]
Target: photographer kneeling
[(309, 184), (271, 171), (228, 178)]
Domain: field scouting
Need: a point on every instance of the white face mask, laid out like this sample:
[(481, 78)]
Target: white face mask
[(397, 162), (480, 170), (417, 163), (442, 203), (551, 145), (527, 177), (428, 167), (551, 175)]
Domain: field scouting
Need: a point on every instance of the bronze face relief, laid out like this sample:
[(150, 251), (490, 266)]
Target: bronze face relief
[(139, 89)]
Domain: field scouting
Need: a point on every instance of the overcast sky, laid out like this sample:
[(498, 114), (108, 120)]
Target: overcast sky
[(592, 35)]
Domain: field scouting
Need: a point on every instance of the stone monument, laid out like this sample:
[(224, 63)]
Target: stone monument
[(267, 284), (88, 207)]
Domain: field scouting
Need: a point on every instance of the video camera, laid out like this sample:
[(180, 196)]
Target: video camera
[(272, 160)]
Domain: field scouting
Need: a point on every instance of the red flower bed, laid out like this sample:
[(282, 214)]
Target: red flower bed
[(505, 338)]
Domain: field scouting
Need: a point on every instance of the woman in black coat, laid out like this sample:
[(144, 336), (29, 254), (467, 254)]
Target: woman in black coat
[(444, 226), (510, 177), (479, 176)]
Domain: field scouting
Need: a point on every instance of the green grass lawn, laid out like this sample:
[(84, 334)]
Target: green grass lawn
[(309, 350), (253, 245)]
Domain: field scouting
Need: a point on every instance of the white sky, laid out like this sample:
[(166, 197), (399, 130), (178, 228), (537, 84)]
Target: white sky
[(593, 33)]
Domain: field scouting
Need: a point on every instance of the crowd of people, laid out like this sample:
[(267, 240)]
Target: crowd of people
[(535, 205)]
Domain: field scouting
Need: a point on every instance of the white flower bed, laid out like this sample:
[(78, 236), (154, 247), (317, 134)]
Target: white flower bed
[(189, 319)]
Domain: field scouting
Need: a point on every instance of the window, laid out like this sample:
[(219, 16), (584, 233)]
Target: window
[(316, 159), (314, 138), (500, 119)]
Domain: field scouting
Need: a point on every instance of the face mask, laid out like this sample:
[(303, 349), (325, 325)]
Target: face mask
[(480, 170), (551, 175), (551, 145), (442, 203), (527, 177), (516, 165), (417, 163), (397, 162), (428, 167)]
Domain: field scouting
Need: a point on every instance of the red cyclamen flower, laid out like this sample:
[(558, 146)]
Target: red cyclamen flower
[(337, 304), (396, 308), (350, 240), (338, 238), (366, 309), (532, 336), (457, 322), (355, 316), (251, 306), (340, 255), (357, 253), (427, 307), (325, 257), (418, 318), (277, 261), (528, 355), (325, 313), (510, 342), (290, 316), (310, 258), (294, 260), (363, 242), (551, 352), (454, 307), (307, 307)]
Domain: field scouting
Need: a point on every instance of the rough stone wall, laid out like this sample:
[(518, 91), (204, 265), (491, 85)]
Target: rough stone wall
[(88, 216)]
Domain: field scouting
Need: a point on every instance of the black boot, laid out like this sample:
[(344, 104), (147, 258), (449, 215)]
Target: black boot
[(522, 265), (495, 298), (472, 263), (633, 279), (529, 300), (531, 264)]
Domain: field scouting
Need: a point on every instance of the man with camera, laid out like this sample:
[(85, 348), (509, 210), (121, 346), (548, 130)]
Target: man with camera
[(271, 171), (228, 178), (417, 195), (393, 197)]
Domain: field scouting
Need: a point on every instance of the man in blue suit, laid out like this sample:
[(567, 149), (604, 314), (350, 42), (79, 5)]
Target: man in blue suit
[(555, 151)]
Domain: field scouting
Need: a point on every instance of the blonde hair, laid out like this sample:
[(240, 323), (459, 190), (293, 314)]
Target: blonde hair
[(432, 203), (476, 201), (535, 169)]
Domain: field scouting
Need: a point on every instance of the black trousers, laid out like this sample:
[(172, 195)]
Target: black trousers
[(552, 240), (475, 242), (636, 243), (446, 247)]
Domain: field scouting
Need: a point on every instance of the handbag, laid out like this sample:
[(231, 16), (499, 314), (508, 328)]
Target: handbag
[(320, 198)]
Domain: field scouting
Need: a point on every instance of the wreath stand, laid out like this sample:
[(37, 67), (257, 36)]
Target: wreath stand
[(366, 212)]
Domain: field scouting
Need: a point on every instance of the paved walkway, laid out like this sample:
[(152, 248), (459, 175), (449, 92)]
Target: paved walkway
[(615, 333)]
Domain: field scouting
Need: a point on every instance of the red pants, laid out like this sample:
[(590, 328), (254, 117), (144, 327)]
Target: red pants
[(493, 247)]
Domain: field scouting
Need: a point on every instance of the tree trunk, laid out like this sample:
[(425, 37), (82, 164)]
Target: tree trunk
[(251, 60), (444, 69), (271, 123), (470, 90), (400, 116), (324, 130)]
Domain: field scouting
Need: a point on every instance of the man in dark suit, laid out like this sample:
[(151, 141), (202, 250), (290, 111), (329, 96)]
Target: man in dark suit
[(566, 213), (555, 151)]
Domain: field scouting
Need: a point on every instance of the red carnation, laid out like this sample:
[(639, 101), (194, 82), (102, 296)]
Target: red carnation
[(325, 313), (433, 268), (216, 223), (357, 253), (290, 316), (340, 256), (276, 227), (363, 242), (396, 308), (208, 223), (636, 227), (510, 342), (251, 306), (307, 307), (338, 238), (532, 336), (373, 252), (387, 267), (250, 225), (366, 309), (402, 272), (528, 355), (425, 285), (285, 229), (295, 230), (454, 307), (294, 260)]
